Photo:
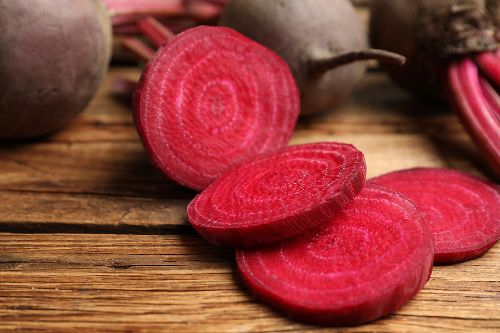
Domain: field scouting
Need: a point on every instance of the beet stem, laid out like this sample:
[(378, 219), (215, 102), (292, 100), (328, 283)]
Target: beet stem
[(490, 64), (202, 10), (130, 11), (119, 21), (155, 31), (138, 48), (145, 7), (491, 96), (126, 29), (320, 66), (471, 105), (174, 24)]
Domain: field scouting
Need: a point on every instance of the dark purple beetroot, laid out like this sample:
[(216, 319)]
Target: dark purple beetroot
[(53, 57), (319, 39)]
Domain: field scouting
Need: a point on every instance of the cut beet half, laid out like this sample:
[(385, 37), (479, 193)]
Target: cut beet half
[(463, 212), (279, 195), (366, 263), (211, 99)]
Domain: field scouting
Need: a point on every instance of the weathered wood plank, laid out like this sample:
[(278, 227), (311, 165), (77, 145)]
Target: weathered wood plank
[(119, 169), (89, 185), (123, 168), (165, 283), (61, 212)]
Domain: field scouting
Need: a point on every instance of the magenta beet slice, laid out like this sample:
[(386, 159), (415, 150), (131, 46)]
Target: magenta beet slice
[(209, 100), (462, 211), (279, 195), (364, 264)]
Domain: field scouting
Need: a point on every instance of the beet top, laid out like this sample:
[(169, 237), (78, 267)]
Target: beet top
[(53, 56), (451, 49)]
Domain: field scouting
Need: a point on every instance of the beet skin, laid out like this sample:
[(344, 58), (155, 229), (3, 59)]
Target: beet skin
[(304, 32), (53, 56)]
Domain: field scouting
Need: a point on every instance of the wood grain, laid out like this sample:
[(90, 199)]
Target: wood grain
[(168, 283), (94, 239)]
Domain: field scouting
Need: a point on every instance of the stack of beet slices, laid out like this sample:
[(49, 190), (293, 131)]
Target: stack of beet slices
[(215, 112)]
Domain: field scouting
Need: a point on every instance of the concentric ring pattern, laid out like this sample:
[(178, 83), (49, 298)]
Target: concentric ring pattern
[(366, 263), (279, 195), (211, 99), (463, 212)]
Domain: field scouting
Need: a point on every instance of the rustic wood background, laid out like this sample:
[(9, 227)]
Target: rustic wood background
[(94, 239)]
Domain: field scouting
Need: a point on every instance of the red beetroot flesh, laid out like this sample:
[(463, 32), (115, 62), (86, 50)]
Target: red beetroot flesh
[(211, 99), (366, 263), (279, 195), (463, 212)]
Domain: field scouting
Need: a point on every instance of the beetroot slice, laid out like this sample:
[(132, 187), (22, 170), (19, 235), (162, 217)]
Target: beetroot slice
[(462, 211), (279, 195), (366, 263), (209, 100)]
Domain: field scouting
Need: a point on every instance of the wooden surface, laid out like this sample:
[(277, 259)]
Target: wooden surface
[(94, 239)]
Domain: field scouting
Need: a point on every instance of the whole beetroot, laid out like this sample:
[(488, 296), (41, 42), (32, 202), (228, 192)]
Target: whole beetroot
[(317, 38), (452, 51), (53, 56)]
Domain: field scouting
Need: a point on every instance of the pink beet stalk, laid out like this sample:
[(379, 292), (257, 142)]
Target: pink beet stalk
[(138, 48), (491, 96), (124, 12), (126, 29), (156, 32), (202, 10), (490, 64), (473, 107), (175, 25), (126, 7)]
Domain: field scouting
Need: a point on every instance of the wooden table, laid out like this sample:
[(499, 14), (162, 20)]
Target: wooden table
[(94, 239)]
